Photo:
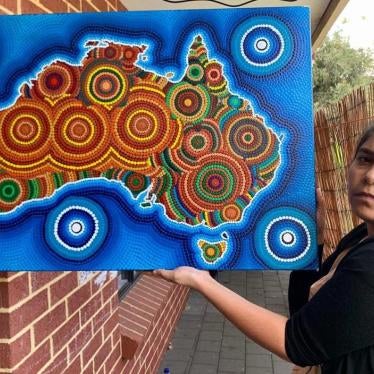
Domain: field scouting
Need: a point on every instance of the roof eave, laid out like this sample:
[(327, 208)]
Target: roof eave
[(328, 18)]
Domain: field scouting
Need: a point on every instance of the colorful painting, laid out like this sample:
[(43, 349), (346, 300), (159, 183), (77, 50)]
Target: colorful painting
[(141, 140)]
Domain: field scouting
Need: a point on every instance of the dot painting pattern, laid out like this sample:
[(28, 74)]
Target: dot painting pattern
[(76, 229), (118, 151)]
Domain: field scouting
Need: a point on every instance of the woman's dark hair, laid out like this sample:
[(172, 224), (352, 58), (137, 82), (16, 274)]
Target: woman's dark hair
[(368, 133)]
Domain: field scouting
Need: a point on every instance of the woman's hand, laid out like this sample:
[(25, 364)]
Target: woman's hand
[(185, 275)]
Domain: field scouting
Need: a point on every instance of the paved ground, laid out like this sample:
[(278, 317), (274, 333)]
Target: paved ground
[(206, 343)]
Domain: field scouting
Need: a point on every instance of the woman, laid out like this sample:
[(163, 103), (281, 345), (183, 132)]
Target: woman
[(335, 329)]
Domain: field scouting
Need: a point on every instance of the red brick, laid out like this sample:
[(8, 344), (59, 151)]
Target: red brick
[(58, 365), (27, 7), (56, 6), (41, 278), (96, 282), (89, 309), (102, 354), (80, 340), (136, 307), (77, 4), (112, 4), (128, 324), (147, 296), (110, 324), (135, 368), (157, 284), (116, 336), (101, 4), (119, 366), (78, 298), (110, 288), (150, 289), (11, 5), (12, 353), (49, 323), (11, 292), (120, 6), (36, 361), (128, 347), (5, 358), (66, 332), (92, 348), (102, 316), (63, 286), (131, 331), (113, 358), (87, 7), (156, 296), (89, 369), (114, 302), (26, 313), (74, 367), (5, 328)]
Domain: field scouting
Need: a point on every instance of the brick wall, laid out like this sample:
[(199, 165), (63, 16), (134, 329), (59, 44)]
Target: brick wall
[(148, 316), (58, 6), (56, 321), (73, 322)]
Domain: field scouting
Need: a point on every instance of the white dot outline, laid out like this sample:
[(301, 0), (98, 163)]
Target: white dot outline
[(93, 237), (266, 42), (292, 234), (271, 27), (301, 255), (82, 227)]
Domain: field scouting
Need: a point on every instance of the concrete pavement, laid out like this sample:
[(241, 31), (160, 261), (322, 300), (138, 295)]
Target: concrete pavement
[(206, 343)]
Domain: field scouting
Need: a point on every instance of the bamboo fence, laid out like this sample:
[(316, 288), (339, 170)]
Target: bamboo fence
[(337, 130)]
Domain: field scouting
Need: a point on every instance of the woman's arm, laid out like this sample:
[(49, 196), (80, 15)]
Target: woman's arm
[(259, 324)]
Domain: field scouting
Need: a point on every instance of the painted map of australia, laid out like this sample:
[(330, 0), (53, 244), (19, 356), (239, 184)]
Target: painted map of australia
[(196, 148), (113, 157)]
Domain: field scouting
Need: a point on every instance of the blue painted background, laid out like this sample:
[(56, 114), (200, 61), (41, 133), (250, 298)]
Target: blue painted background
[(137, 238)]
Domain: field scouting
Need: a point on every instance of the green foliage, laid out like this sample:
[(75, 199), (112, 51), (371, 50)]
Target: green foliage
[(338, 69)]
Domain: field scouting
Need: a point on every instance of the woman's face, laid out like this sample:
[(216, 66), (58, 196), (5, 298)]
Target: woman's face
[(361, 183)]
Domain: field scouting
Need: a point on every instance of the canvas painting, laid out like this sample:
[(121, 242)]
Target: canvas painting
[(154, 139)]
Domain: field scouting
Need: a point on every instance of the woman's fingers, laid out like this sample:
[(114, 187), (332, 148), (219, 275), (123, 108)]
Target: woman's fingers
[(166, 274)]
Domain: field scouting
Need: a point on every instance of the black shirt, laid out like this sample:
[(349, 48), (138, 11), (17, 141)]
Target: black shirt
[(336, 327)]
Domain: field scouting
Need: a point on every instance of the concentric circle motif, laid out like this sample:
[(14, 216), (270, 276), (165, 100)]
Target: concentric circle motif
[(189, 103), (55, 81), (199, 140), (195, 73), (285, 238), (212, 252), (235, 102), (232, 213), (24, 133), (218, 181), (103, 83), (81, 133), (262, 45), (76, 229), (135, 182), (143, 127), (215, 79), (248, 137), (130, 55), (12, 193)]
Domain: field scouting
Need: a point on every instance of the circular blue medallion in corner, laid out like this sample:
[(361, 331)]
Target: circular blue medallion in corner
[(285, 239), (76, 228), (262, 45)]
